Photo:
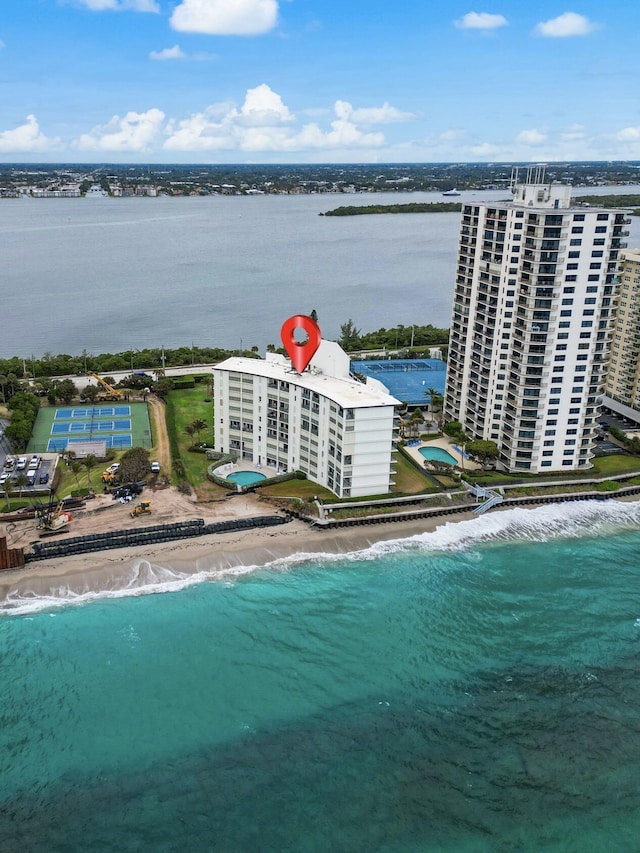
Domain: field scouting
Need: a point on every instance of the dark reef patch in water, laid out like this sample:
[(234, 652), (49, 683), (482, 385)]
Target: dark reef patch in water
[(517, 763)]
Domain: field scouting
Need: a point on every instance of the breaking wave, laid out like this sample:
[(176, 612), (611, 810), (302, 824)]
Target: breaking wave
[(586, 519)]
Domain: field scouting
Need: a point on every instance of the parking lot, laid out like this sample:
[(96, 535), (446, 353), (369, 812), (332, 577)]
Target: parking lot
[(32, 473)]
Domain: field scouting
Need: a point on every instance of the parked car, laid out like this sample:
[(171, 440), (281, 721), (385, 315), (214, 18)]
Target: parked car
[(155, 467), (21, 463), (44, 478), (3, 479), (34, 462)]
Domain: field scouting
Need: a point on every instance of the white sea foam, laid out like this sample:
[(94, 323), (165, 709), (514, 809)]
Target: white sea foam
[(540, 524)]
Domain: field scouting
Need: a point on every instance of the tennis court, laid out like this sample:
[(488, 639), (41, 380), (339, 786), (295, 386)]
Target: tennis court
[(96, 412), (91, 426), (119, 426), (407, 379)]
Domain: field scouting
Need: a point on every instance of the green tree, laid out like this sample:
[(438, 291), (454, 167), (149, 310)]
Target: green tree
[(7, 487), (455, 431), (415, 420), (134, 465), (436, 405), (190, 431), (163, 387), (349, 336), (89, 463), (198, 425), (21, 481), (90, 393), (3, 385), (483, 451), (12, 380), (66, 391), (76, 468)]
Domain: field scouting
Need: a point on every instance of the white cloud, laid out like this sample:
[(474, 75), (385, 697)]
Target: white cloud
[(225, 17), (168, 53), (484, 150), (480, 21), (573, 133), (629, 134), (25, 138), (531, 137), (264, 123), (452, 135), (566, 25), (263, 107), (119, 5), (134, 132), (386, 114)]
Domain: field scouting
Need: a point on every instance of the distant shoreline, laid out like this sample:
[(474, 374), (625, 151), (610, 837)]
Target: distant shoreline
[(417, 207)]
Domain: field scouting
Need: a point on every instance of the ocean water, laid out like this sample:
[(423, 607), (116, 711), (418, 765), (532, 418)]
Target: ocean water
[(472, 689)]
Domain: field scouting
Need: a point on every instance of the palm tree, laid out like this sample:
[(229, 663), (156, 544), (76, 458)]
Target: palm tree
[(89, 462), (7, 487), (21, 482), (190, 431), (11, 380), (436, 405), (76, 467), (198, 425), (414, 422)]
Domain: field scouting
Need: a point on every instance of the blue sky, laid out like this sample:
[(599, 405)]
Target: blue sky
[(258, 81)]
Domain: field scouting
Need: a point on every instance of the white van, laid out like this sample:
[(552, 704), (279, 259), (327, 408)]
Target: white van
[(31, 478)]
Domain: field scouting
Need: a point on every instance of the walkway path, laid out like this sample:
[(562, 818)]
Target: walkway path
[(162, 447)]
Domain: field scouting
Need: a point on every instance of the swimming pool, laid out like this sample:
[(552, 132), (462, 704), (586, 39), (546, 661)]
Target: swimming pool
[(246, 478), (438, 454)]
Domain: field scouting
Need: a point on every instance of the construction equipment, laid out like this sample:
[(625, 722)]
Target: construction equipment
[(110, 474), (52, 519), (142, 508), (111, 393)]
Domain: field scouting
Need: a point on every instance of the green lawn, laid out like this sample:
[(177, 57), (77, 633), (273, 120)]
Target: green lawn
[(408, 480), (186, 406)]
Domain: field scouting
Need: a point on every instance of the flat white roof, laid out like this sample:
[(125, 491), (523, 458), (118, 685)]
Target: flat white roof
[(347, 393)]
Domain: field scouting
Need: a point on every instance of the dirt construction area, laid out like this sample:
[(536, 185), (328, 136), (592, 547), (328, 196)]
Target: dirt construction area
[(102, 514)]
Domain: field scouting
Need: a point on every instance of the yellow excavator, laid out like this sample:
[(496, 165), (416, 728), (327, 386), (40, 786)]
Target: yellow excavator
[(141, 509), (110, 393)]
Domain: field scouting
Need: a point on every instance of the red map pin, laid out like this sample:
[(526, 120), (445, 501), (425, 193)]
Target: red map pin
[(300, 353)]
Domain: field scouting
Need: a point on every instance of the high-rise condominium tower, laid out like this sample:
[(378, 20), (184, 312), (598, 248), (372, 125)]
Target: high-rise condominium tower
[(531, 324), (622, 391)]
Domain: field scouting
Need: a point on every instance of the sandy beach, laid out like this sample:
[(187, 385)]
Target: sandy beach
[(223, 553), (170, 565)]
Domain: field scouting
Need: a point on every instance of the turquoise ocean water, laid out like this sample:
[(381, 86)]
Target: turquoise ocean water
[(473, 689)]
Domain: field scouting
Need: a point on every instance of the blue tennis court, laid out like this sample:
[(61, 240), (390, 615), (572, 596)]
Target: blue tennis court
[(406, 379), (87, 413), (114, 425), (117, 442), (91, 426)]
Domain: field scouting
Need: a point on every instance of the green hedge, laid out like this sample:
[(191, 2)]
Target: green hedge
[(170, 420)]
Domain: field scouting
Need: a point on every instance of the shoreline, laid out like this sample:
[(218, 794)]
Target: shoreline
[(168, 566), (222, 553)]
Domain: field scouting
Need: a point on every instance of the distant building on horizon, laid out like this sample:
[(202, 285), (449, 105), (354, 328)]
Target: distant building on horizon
[(339, 431), (531, 324)]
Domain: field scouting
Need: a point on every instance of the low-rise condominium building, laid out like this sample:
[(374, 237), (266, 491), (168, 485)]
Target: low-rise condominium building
[(336, 429)]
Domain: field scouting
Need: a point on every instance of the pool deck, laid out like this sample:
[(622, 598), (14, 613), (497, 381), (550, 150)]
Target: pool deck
[(445, 444)]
